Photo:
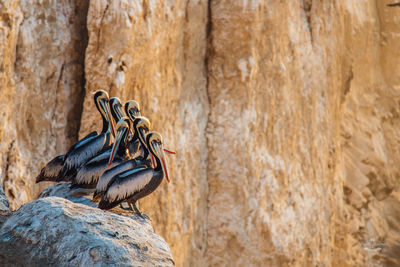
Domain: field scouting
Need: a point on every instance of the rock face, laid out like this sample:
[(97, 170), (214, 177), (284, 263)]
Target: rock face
[(41, 82), (4, 205), (54, 231), (285, 117)]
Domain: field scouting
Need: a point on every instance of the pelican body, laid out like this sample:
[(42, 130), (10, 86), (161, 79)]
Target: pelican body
[(86, 149), (141, 126), (89, 173), (54, 168), (139, 182)]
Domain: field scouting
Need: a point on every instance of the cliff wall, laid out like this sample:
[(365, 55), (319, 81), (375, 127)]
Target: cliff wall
[(284, 116)]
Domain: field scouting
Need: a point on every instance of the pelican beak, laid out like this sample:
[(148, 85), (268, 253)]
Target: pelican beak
[(153, 163), (119, 111), (111, 120), (169, 151), (161, 155), (106, 108), (143, 132), (116, 144)]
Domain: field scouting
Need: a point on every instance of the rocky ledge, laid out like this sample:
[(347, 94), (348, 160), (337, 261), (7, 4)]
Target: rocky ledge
[(58, 232)]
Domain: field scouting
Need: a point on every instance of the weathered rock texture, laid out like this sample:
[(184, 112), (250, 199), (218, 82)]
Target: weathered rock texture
[(4, 205), (62, 190), (54, 231), (284, 114), (42, 85)]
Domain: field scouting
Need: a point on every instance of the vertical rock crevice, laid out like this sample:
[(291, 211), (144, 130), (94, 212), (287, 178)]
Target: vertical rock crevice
[(75, 114), (307, 6), (208, 54)]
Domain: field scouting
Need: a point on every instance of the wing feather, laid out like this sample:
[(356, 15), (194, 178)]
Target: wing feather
[(110, 173), (128, 183)]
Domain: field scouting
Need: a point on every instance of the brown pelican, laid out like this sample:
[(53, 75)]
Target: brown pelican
[(116, 109), (137, 183), (141, 126), (51, 172), (88, 174), (132, 110), (84, 150)]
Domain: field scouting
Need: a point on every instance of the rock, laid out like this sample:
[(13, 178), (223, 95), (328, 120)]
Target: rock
[(4, 206), (82, 196), (42, 46), (55, 231)]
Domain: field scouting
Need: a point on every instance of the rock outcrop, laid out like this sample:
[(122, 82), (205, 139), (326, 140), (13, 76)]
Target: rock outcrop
[(4, 205), (57, 232), (285, 117)]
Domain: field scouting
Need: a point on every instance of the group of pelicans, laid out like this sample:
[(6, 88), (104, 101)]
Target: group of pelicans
[(123, 163)]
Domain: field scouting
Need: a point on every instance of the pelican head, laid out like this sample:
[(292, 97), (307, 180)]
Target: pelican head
[(115, 106), (155, 145), (141, 126), (101, 101), (132, 109)]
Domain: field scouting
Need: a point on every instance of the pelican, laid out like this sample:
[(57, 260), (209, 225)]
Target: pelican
[(88, 174), (141, 126), (84, 150), (116, 111), (132, 110), (137, 183), (51, 172)]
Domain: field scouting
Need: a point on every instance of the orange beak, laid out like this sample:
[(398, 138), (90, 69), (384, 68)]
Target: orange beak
[(115, 146), (169, 151), (161, 155)]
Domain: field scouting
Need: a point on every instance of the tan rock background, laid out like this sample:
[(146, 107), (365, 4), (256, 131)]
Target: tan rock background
[(284, 115)]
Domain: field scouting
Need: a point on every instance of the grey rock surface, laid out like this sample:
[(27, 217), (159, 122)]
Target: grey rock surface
[(53, 231), (82, 196)]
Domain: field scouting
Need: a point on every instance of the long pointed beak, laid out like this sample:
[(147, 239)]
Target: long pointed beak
[(108, 113), (160, 153), (115, 147), (153, 162), (143, 133), (119, 112), (169, 151)]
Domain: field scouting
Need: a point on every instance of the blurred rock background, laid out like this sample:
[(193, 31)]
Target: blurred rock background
[(284, 115)]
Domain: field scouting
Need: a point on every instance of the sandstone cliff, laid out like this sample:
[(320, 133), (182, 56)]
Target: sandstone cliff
[(284, 114)]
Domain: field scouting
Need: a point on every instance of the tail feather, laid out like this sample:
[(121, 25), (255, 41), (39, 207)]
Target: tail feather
[(51, 171)]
